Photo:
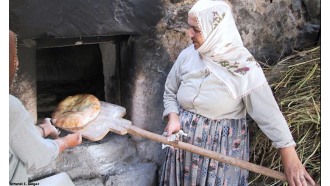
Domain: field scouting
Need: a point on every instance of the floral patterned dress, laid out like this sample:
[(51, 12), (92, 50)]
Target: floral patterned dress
[(225, 136)]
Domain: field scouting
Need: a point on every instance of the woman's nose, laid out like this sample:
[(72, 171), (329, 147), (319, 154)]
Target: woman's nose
[(190, 32)]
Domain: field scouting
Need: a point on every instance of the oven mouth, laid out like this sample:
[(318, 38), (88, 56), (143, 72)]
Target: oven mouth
[(70, 66)]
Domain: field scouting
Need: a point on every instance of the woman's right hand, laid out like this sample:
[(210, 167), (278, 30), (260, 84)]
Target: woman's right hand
[(173, 124)]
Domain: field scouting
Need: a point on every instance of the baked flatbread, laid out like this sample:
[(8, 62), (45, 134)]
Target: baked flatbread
[(76, 111)]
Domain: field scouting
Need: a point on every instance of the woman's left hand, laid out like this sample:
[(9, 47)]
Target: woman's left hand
[(50, 130), (295, 172)]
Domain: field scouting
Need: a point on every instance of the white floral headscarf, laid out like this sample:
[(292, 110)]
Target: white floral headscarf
[(223, 51)]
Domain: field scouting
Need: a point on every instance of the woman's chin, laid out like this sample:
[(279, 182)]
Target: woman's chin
[(196, 46)]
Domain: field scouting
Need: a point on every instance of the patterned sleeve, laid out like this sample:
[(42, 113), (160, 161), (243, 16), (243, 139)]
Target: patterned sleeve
[(263, 109)]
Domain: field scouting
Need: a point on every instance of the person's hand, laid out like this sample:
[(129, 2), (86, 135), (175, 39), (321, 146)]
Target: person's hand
[(295, 172), (173, 124), (73, 140), (68, 141), (49, 129)]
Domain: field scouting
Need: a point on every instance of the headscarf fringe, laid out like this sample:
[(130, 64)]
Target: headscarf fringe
[(243, 95)]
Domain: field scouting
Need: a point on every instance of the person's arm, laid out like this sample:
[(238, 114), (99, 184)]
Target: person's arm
[(263, 109), (71, 140), (25, 140), (171, 104), (171, 88)]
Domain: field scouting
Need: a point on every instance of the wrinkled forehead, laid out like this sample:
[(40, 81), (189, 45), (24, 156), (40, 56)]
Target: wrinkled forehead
[(192, 20)]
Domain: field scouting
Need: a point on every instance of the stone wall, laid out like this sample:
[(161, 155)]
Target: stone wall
[(269, 29)]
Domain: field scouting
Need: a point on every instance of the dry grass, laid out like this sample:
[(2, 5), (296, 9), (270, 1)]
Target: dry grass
[(295, 82)]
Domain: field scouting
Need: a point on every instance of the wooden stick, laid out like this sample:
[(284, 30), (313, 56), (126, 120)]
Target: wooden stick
[(207, 153)]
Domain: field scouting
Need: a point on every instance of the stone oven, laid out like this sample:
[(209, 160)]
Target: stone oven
[(121, 51)]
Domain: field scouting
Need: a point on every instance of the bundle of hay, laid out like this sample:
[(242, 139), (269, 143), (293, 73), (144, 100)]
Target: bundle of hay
[(296, 84)]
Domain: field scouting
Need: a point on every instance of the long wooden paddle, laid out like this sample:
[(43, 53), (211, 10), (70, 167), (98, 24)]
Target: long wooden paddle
[(110, 119)]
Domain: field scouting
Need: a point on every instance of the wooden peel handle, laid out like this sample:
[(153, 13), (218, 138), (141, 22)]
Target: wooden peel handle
[(210, 154)]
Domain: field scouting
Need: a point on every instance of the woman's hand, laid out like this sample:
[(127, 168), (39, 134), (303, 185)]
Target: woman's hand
[(47, 129), (70, 140), (295, 172), (73, 140), (173, 124)]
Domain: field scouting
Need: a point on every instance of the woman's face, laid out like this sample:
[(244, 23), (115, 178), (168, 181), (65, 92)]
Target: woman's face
[(194, 31)]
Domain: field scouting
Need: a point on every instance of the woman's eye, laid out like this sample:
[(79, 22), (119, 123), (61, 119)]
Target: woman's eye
[(198, 31)]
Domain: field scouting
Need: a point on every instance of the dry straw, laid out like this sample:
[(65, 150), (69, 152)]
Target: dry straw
[(295, 82)]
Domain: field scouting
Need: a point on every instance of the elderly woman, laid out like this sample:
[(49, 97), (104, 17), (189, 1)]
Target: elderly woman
[(211, 87)]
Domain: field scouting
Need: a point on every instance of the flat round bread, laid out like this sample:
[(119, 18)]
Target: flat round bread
[(76, 111)]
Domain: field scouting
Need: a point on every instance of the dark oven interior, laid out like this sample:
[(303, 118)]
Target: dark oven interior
[(65, 70)]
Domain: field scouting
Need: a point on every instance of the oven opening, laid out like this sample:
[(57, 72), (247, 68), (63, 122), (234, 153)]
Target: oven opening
[(80, 67)]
